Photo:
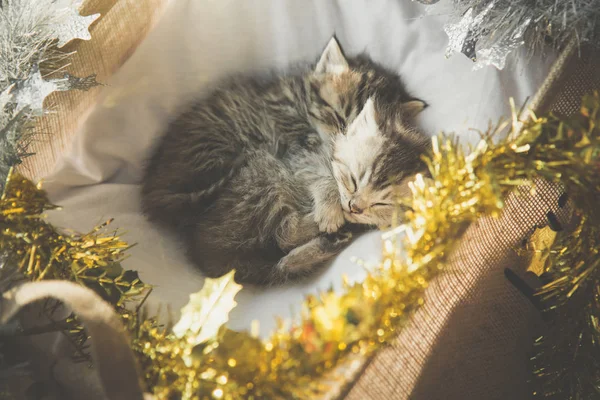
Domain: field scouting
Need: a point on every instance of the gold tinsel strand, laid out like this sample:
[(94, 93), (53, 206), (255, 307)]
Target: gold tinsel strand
[(35, 250), (302, 362), (566, 363)]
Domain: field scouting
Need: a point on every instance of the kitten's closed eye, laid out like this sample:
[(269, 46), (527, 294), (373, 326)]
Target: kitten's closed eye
[(349, 184), (381, 204), (346, 178)]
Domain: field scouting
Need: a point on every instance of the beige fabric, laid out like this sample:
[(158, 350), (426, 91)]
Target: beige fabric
[(115, 35), (484, 324)]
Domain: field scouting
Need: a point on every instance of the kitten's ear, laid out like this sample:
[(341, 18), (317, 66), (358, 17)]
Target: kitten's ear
[(412, 108), (365, 123), (332, 60)]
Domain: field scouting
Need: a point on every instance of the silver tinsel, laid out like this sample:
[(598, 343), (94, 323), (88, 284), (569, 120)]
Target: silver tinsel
[(31, 31), (487, 31), (460, 31), (70, 82), (496, 53)]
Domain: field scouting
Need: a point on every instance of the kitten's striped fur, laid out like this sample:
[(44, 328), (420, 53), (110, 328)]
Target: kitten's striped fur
[(245, 176)]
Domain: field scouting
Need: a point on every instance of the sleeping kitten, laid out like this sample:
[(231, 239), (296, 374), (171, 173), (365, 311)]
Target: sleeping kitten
[(370, 164), (231, 178), (365, 170)]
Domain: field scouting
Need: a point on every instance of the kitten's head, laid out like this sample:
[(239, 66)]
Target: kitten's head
[(340, 86), (374, 161)]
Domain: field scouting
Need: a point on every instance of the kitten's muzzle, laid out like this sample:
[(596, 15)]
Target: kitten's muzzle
[(354, 209)]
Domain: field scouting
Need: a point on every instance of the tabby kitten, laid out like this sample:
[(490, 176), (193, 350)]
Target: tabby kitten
[(371, 163), (245, 176), (365, 170)]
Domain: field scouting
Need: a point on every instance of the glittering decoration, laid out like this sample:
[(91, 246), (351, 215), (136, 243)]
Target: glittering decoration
[(32, 91), (458, 32), (73, 25), (70, 82), (539, 246), (30, 31), (207, 311), (36, 250), (489, 30), (566, 363), (464, 33), (469, 43), (25, 39), (497, 53), (24, 42)]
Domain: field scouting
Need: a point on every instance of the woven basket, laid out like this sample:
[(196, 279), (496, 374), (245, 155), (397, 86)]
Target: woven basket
[(473, 336)]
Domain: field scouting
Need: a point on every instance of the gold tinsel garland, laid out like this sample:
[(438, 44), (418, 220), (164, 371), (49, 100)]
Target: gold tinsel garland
[(200, 358), (33, 249), (566, 363), (40, 251)]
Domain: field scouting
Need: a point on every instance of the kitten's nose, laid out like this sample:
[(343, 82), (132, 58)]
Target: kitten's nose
[(354, 209)]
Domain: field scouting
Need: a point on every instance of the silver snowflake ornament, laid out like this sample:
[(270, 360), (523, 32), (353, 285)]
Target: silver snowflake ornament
[(31, 92), (73, 25), (463, 33), (498, 51)]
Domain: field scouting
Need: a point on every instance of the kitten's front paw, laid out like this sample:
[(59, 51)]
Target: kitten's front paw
[(329, 219), (349, 217), (336, 241)]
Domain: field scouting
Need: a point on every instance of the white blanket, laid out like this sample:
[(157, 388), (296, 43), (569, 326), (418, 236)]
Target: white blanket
[(197, 42)]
